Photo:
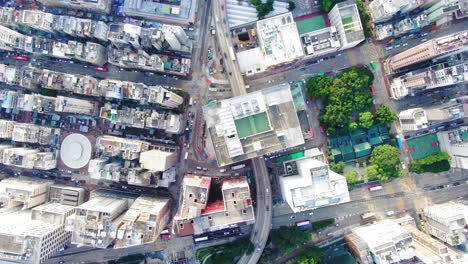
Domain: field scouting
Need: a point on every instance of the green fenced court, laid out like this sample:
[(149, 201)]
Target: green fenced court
[(252, 125)]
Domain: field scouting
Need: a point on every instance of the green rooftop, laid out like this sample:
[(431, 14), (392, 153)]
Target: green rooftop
[(376, 141), (252, 125), (298, 96), (422, 147), (464, 135), (166, 9), (362, 150), (310, 24)]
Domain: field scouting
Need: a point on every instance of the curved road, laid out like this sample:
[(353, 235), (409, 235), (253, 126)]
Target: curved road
[(263, 215)]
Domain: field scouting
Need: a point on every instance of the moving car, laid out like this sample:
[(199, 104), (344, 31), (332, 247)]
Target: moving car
[(102, 69)]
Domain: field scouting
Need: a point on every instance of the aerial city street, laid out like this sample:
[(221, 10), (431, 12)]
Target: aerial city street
[(234, 131)]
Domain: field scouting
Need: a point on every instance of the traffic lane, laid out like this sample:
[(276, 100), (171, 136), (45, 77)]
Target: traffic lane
[(114, 72), (416, 39)]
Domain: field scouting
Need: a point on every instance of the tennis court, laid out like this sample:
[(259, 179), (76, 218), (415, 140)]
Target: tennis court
[(310, 24), (252, 125)]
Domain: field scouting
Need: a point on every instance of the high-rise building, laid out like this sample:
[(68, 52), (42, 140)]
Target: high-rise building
[(93, 5), (456, 42), (309, 183), (143, 222), (28, 192), (10, 39), (413, 119), (198, 214), (345, 17), (95, 222), (448, 222), (384, 242), (36, 19)]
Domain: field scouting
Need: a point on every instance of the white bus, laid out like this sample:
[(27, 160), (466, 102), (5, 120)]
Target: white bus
[(237, 167), (186, 155), (233, 56), (200, 239)]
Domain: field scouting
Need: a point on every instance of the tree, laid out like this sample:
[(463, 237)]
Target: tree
[(387, 159), (262, 8), (338, 167), (318, 86), (350, 176), (327, 5), (287, 238), (353, 126), (291, 5), (373, 173), (385, 114), (366, 119), (311, 255)]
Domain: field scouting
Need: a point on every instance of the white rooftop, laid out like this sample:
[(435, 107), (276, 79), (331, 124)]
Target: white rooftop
[(75, 151)]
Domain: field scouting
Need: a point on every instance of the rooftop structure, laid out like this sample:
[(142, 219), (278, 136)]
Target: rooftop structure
[(253, 124), (199, 214), (27, 240), (53, 213), (7, 16), (75, 151), (143, 222), (456, 42), (66, 195), (240, 13), (399, 27), (81, 27), (279, 43), (92, 5), (169, 122), (279, 39), (112, 146), (27, 158), (413, 119), (158, 160), (309, 183), (345, 17), (383, 10), (28, 192), (6, 128), (436, 76), (30, 133), (125, 34), (75, 106), (431, 250), (75, 83), (444, 11), (96, 221), (35, 19), (321, 41), (455, 143), (448, 222), (10, 39), (175, 12), (127, 58), (385, 242)]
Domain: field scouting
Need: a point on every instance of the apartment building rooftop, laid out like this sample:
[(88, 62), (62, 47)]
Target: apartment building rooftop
[(174, 12), (36, 19), (382, 10), (30, 133), (455, 143), (436, 76), (28, 192), (345, 17), (309, 183), (143, 221), (253, 124), (196, 217), (93, 5), (456, 42), (157, 160)]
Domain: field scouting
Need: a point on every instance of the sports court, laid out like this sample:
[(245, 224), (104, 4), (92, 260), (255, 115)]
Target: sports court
[(252, 125), (422, 147), (310, 24)]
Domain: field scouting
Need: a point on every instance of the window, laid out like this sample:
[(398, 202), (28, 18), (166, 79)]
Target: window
[(181, 226)]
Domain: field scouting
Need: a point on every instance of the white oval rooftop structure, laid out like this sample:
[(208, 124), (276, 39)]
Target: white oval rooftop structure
[(75, 151)]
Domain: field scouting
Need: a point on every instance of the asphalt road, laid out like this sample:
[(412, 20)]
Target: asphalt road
[(224, 41), (263, 213), (114, 72)]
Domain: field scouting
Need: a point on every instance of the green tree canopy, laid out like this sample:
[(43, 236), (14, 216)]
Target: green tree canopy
[(312, 255), (338, 167), (350, 176), (366, 119), (387, 159), (291, 5), (318, 86), (262, 8), (353, 126), (385, 114), (287, 238)]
